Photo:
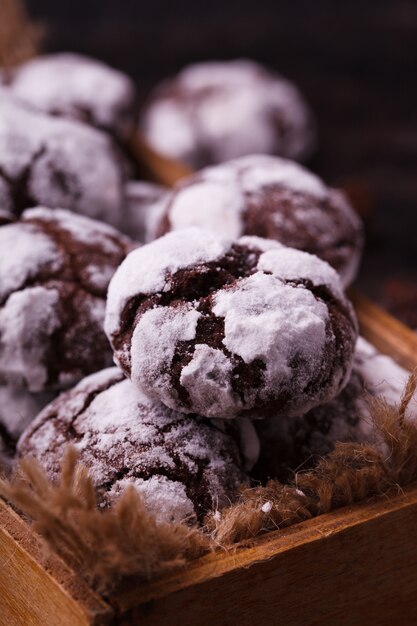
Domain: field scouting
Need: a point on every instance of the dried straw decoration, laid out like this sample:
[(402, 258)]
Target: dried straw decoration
[(19, 37), (105, 546)]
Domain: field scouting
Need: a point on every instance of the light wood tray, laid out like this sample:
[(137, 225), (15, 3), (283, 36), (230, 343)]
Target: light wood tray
[(356, 566)]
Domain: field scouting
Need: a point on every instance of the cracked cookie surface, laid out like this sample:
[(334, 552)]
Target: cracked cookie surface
[(229, 328), (183, 466), (272, 198), (55, 267), (55, 162)]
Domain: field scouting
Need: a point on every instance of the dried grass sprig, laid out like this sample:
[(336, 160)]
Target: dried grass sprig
[(19, 37), (399, 433), (258, 511), (350, 473), (124, 540), (102, 545)]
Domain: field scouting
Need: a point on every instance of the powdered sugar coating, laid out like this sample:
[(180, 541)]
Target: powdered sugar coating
[(24, 253), (214, 111), (213, 205), (18, 408), (28, 321), (146, 343), (273, 198), (289, 264), (57, 163), (182, 466), (167, 256), (55, 267), (293, 443), (207, 380), (225, 328), (75, 86), (142, 208), (256, 308), (382, 376)]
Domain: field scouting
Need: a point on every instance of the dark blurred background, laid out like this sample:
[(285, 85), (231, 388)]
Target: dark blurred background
[(356, 63)]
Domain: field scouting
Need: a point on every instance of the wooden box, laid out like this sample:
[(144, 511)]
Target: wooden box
[(356, 566)]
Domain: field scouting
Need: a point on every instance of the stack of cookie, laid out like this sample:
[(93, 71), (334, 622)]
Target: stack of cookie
[(235, 343)]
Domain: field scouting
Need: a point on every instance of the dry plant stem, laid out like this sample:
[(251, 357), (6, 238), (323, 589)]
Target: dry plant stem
[(102, 546), (399, 433), (350, 473), (19, 38), (125, 540), (260, 510)]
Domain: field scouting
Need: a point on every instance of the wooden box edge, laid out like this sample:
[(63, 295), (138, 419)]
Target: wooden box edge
[(21, 548)]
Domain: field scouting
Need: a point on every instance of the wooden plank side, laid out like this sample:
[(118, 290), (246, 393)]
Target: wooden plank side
[(31, 595), (157, 167), (385, 332), (353, 567)]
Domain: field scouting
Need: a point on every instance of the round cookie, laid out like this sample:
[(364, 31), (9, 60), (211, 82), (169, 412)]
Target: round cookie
[(214, 111), (141, 209), (58, 163), (290, 444), (55, 268), (184, 467), (272, 198), (229, 328), (297, 443), (75, 86)]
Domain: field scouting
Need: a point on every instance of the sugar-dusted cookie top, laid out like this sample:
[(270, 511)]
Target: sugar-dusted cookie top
[(225, 328), (55, 162), (268, 197), (214, 111), (183, 466), (55, 267), (74, 86)]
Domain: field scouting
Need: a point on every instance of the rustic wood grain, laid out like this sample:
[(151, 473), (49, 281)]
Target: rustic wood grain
[(352, 567), (34, 595), (155, 166), (385, 332)]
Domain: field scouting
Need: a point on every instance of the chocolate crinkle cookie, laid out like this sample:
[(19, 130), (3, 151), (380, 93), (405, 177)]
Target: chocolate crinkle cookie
[(297, 443), (184, 467), (225, 328), (214, 111), (74, 86), (58, 163), (55, 267), (272, 198)]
